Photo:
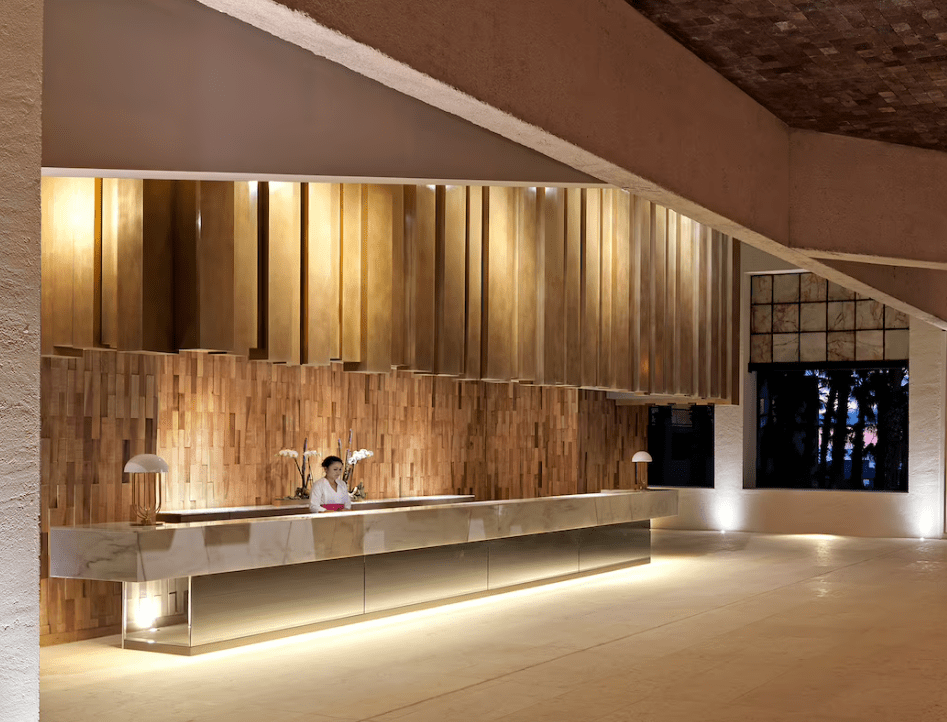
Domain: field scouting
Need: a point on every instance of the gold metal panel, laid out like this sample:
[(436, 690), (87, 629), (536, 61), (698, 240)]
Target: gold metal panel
[(401, 579), (240, 604)]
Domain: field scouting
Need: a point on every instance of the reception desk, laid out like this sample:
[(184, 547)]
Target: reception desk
[(206, 585)]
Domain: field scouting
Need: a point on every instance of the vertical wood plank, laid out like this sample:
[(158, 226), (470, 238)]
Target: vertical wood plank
[(398, 317), (663, 333), (216, 260), (451, 279), (526, 285), (645, 241), (284, 273), (591, 289), (574, 224), (246, 270), (554, 319), (686, 288), (621, 292), (321, 300), (70, 248), (157, 281), (472, 340), (716, 267), (499, 288), (704, 362), (673, 311), (353, 231), (634, 288), (377, 280), (606, 375), (734, 280), (420, 236)]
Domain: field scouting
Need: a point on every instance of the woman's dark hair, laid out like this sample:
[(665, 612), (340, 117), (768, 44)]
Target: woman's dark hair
[(330, 460)]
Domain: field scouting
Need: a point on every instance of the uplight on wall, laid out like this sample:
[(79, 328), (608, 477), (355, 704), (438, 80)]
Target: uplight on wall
[(726, 513)]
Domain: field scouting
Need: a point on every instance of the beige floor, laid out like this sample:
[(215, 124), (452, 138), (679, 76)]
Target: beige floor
[(719, 627)]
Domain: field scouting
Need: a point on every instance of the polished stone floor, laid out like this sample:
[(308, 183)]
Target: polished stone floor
[(745, 627)]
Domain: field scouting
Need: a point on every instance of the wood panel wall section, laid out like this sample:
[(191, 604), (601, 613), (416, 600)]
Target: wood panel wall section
[(585, 287), (219, 421)]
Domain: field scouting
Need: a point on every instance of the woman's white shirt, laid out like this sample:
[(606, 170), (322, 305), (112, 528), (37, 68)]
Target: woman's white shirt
[(324, 493)]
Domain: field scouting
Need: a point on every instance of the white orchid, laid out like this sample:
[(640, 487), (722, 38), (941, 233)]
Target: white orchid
[(359, 455), (304, 469)]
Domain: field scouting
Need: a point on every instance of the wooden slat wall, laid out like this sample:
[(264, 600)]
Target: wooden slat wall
[(589, 287), (219, 421), (71, 258)]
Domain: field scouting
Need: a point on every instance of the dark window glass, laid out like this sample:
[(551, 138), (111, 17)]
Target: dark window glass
[(833, 428), (681, 444)]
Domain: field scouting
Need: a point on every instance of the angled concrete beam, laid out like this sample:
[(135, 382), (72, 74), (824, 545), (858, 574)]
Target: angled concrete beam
[(862, 200)]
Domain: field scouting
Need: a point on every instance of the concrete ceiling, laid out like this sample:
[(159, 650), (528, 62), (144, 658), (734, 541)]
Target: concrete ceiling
[(874, 69), (171, 88)]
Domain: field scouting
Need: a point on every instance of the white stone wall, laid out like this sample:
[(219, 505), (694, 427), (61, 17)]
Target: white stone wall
[(920, 512), (21, 57)]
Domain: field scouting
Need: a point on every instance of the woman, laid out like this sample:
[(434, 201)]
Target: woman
[(330, 489)]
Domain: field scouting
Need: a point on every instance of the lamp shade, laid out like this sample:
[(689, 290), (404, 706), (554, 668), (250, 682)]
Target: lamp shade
[(146, 464), (642, 456)]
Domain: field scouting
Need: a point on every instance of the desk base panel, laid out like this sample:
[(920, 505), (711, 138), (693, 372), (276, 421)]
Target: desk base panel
[(236, 608)]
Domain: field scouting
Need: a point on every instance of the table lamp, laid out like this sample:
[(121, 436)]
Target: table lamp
[(146, 497), (640, 457)]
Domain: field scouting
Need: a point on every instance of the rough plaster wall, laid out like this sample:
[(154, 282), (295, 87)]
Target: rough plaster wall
[(21, 42), (928, 374)]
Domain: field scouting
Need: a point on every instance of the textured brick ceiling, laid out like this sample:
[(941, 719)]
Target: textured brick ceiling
[(866, 68)]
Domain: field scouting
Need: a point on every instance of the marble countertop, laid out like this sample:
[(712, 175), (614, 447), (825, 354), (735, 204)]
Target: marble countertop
[(122, 552), (178, 516)]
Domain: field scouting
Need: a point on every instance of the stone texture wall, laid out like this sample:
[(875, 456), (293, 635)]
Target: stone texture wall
[(21, 60)]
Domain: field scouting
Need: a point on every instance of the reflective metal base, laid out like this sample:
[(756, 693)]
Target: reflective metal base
[(235, 608)]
